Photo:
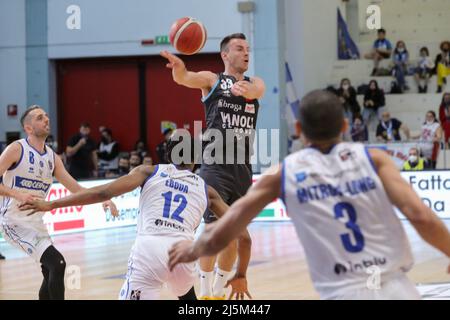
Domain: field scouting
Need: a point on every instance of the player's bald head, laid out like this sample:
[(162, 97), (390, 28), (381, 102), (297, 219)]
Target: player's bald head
[(27, 115)]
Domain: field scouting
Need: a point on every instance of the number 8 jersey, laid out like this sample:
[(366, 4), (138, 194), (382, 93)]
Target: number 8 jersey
[(344, 218), (172, 203)]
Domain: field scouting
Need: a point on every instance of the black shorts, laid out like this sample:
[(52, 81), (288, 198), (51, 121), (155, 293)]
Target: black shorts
[(231, 181)]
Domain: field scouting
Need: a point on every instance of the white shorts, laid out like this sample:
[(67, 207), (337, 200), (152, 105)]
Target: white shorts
[(33, 241), (148, 270), (396, 288)]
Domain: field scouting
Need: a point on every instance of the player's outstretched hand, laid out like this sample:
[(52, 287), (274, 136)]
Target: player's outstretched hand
[(181, 252), (35, 206), (240, 88), (174, 61), (112, 207), (238, 288)]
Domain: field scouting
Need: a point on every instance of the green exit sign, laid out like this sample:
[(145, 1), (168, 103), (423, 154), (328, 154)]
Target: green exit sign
[(162, 40)]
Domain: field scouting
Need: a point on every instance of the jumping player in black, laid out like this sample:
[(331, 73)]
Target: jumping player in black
[(231, 106)]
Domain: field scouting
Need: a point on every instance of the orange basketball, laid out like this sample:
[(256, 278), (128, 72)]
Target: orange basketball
[(188, 35)]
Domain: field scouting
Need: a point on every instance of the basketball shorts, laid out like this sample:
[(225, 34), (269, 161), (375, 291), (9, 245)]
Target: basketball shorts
[(230, 181), (28, 238), (148, 270), (395, 288)]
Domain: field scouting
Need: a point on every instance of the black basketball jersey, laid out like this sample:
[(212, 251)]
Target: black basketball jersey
[(235, 114)]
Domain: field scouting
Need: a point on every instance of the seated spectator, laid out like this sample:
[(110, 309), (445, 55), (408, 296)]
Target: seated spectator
[(374, 102), (382, 49), (347, 94), (389, 129), (161, 149), (400, 60), (424, 70), (442, 65), (147, 161), (135, 161), (124, 166), (359, 131), (415, 162), (141, 148), (444, 117), (108, 153), (430, 138)]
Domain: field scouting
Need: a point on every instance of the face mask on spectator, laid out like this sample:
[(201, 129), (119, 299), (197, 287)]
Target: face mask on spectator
[(123, 169), (412, 159), (401, 50), (345, 86)]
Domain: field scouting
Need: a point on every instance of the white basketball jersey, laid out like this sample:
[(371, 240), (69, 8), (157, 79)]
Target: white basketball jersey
[(33, 174), (172, 203), (344, 219)]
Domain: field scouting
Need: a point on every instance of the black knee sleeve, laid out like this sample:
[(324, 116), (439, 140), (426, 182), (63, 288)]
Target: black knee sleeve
[(53, 261)]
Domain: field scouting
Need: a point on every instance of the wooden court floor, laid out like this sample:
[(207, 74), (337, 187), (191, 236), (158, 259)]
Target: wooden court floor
[(278, 268)]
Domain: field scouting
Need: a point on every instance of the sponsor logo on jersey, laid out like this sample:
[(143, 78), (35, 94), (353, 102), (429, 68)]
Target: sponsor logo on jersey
[(346, 154), (31, 170), (250, 108), (164, 223), (135, 295), (301, 177), (236, 107), (350, 267), (31, 184), (164, 175)]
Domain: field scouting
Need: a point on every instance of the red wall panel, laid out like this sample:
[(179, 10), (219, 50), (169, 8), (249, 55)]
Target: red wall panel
[(101, 92), (168, 101)]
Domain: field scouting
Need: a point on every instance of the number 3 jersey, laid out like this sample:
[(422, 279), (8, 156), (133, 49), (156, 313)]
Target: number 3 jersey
[(344, 218), (33, 174), (172, 203)]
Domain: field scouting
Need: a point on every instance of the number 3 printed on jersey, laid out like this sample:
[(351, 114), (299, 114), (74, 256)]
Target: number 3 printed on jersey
[(345, 209)]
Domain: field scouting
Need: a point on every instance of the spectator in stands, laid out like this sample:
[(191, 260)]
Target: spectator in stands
[(430, 138), (147, 161), (389, 129), (442, 65), (135, 161), (374, 102), (415, 162), (141, 148), (444, 116), (124, 166), (108, 153), (347, 94), (424, 70), (82, 154), (359, 131), (161, 149), (400, 60), (382, 49)]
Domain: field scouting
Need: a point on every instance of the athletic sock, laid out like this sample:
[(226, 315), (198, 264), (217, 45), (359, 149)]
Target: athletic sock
[(206, 283), (220, 282)]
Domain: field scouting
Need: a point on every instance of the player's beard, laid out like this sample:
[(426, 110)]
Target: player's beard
[(41, 133)]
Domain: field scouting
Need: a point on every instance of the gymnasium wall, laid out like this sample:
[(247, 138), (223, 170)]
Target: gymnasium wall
[(116, 27), (311, 41), (13, 88)]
